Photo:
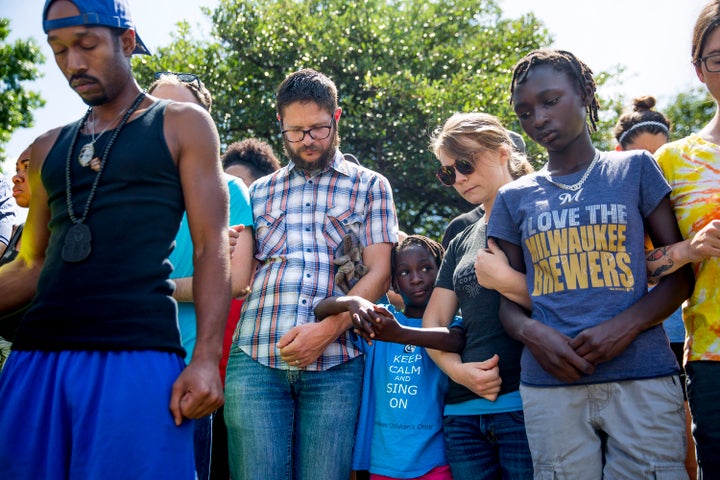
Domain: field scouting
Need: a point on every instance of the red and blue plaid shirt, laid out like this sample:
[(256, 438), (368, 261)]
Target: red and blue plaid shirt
[(299, 222)]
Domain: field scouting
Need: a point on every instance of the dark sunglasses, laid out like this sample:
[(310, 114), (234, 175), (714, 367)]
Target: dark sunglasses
[(446, 174), (183, 77)]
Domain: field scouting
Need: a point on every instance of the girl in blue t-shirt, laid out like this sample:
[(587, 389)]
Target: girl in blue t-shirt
[(403, 390), (595, 351)]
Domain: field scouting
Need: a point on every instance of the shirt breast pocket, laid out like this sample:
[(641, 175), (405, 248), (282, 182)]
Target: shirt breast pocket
[(341, 221), (270, 233)]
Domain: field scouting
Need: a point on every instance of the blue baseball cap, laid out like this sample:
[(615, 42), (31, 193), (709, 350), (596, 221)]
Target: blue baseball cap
[(104, 13)]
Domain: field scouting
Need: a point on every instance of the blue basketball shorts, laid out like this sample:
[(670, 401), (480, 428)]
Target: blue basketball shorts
[(88, 415)]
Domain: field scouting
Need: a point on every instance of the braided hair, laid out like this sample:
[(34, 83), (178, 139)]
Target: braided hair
[(564, 61), (433, 248)]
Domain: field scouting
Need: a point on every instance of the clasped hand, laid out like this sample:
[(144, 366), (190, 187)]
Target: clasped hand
[(303, 344), (568, 359), (373, 322)]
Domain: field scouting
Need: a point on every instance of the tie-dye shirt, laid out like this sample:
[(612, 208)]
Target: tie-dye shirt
[(692, 167)]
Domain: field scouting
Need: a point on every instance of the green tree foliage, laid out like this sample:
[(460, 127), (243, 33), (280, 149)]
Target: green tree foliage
[(401, 69), (611, 107), (18, 64), (690, 112)]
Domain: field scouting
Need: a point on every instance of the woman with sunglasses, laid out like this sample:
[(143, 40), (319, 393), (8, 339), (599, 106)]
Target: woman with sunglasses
[(484, 425)]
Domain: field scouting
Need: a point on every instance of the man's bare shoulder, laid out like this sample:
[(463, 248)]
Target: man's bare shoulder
[(41, 147), (185, 111), (189, 122), (190, 131)]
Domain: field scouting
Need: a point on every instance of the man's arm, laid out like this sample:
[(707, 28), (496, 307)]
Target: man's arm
[(609, 339), (372, 286), (18, 279), (242, 265), (193, 140), (363, 313), (386, 327), (303, 344), (482, 378), (335, 305), (665, 260)]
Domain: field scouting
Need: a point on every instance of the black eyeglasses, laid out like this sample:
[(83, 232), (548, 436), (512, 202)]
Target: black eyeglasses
[(183, 77), (316, 133), (712, 62), (446, 173)]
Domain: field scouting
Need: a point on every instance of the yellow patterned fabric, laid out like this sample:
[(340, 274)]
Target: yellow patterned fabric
[(692, 167)]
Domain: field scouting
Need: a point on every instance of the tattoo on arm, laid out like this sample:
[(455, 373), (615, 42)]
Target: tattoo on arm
[(657, 254), (658, 262), (659, 270)]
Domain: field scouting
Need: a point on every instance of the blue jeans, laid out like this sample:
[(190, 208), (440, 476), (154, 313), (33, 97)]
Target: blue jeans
[(703, 391), (290, 424), (202, 445), (489, 446)]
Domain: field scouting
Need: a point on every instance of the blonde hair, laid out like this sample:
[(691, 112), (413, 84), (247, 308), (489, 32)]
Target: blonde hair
[(462, 133)]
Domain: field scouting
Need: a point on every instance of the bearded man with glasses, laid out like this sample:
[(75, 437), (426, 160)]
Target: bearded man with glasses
[(293, 383)]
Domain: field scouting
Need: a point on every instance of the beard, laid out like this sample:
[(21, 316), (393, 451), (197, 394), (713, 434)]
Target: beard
[(323, 161)]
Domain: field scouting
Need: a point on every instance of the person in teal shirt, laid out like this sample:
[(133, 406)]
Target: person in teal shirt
[(188, 88)]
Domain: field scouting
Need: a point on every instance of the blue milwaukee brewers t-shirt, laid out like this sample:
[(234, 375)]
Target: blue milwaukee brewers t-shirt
[(584, 256)]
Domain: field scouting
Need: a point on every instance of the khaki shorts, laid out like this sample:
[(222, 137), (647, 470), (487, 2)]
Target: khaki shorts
[(630, 429)]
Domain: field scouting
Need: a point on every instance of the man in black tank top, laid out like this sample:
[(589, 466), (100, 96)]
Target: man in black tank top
[(95, 386)]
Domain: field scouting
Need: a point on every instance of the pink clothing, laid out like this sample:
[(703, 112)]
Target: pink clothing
[(437, 473), (232, 321)]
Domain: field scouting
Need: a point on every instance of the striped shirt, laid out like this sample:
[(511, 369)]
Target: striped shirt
[(300, 221)]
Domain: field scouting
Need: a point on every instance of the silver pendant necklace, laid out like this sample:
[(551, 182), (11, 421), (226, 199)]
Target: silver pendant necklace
[(78, 239), (87, 152), (578, 185)]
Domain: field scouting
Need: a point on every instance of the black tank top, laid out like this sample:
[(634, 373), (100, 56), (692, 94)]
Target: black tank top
[(119, 298)]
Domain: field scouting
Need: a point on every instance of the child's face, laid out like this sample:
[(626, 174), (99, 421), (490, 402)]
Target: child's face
[(550, 107), (415, 273)]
